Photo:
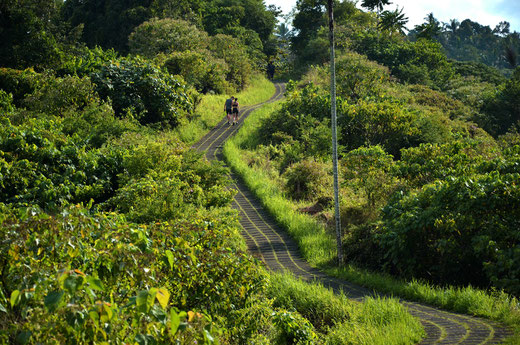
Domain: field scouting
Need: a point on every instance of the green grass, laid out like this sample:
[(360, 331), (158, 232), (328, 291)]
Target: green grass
[(342, 321), (319, 248), (211, 109)]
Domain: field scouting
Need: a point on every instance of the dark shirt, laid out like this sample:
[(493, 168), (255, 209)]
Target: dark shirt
[(229, 101)]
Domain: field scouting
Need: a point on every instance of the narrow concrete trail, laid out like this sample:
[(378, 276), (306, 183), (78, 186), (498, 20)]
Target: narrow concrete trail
[(279, 252)]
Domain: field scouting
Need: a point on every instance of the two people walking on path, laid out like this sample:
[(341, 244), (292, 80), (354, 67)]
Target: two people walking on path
[(232, 109)]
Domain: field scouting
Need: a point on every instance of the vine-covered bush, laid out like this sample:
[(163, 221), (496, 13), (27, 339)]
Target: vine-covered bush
[(138, 87)]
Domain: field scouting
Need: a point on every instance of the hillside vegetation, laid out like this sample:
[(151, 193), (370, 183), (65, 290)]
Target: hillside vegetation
[(429, 163), (112, 230)]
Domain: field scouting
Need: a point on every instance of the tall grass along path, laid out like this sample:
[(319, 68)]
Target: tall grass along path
[(279, 252)]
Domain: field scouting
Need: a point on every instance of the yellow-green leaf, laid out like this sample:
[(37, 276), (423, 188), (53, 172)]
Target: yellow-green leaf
[(163, 296), (15, 297), (175, 321)]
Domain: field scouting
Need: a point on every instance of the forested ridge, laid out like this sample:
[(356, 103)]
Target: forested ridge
[(112, 230)]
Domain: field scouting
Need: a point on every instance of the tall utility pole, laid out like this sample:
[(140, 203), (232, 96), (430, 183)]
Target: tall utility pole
[(334, 130)]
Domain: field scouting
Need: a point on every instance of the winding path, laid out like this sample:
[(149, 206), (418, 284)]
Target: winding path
[(265, 239)]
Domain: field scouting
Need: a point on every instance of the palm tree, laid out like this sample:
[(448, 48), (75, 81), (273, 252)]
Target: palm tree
[(393, 21), (430, 30), (283, 32), (452, 26), (375, 4)]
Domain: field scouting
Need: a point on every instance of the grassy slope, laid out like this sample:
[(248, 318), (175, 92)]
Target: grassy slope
[(318, 247)]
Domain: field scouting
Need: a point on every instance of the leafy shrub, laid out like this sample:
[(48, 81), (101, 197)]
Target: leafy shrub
[(479, 71), (293, 328), (165, 181), (234, 53), (40, 165), (425, 96), (6, 102), (423, 61), (166, 36), (200, 70), (430, 162), (86, 62), (306, 179), (369, 169), (386, 123), (18, 83), (80, 276), (357, 77), (457, 231), (304, 109), (502, 110), (57, 96), (95, 125), (152, 95)]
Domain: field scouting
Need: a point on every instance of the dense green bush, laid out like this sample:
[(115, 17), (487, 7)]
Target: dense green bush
[(234, 53), (6, 102), (502, 110), (80, 276), (166, 36), (368, 170), (460, 230), (138, 87), (57, 96), (306, 179), (423, 61), (430, 162), (385, 122), (18, 83), (200, 70), (358, 78), (40, 165)]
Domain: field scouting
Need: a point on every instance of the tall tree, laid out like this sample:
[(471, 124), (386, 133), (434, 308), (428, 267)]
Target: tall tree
[(27, 33), (431, 29), (107, 23), (393, 21), (375, 4)]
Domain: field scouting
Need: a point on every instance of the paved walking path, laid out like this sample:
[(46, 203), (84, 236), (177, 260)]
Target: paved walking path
[(265, 239)]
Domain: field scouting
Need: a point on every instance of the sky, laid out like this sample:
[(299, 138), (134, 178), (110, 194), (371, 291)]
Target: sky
[(484, 12)]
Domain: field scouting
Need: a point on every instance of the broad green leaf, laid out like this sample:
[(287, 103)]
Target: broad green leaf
[(175, 321), (169, 256), (52, 300), (150, 300), (140, 301), (163, 296), (95, 284), (15, 297)]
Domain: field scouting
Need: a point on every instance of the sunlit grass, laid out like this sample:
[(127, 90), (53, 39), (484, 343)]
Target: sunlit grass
[(343, 321)]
